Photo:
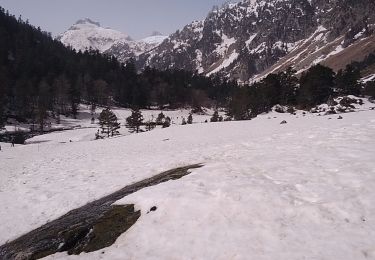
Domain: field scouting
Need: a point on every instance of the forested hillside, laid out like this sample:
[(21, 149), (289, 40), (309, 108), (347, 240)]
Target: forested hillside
[(41, 77)]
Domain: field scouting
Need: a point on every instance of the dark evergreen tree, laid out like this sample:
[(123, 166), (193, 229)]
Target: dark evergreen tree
[(288, 85), (42, 104), (270, 91), (19, 137), (190, 119), (60, 87), (239, 105), (134, 121), (316, 86), (3, 94), (108, 122), (215, 116), (348, 81), (369, 89), (160, 119), (167, 122)]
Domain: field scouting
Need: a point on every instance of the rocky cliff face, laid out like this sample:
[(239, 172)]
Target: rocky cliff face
[(251, 38)]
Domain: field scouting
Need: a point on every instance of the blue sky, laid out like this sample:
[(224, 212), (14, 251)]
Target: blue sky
[(138, 18)]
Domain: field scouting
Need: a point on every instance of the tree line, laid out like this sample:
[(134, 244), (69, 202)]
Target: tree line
[(314, 87)]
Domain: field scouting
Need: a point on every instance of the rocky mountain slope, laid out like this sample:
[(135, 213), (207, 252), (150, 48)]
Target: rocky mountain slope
[(86, 34), (252, 38)]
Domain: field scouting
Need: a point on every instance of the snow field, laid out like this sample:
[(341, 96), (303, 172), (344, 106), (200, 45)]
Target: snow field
[(303, 190), (85, 131)]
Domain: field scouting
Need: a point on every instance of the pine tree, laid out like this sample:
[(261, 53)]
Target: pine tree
[(61, 86), (167, 122), (348, 81), (271, 90), (108, 122), (74, 98), (3, 90), (215, 117), (100, 92), (316, 86), (134, 121), (190, 119), (239, 104), (160, 119), (92, 109), (288, 84), (370, 89), (43, 102)]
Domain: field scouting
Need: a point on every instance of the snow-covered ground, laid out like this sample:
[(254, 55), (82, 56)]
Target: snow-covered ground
[(301, 190), (82, 129)]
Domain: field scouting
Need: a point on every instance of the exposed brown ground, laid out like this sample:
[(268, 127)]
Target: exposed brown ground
[(355, 52), (308, 51)]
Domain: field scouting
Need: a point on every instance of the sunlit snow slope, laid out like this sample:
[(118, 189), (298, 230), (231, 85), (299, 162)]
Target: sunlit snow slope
[(301, 190)]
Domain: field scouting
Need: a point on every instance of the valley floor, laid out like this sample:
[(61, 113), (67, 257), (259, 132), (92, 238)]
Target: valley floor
[(301, 190)]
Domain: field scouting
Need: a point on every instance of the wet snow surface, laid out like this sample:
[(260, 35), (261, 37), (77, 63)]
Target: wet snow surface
[(301, 190)]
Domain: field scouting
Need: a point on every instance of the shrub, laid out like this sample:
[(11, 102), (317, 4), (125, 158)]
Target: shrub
[(347, 102), (19, 137), (279, 109)]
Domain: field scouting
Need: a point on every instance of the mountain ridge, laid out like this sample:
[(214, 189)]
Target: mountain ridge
[(249, 39), (245, 40), (88, 34)]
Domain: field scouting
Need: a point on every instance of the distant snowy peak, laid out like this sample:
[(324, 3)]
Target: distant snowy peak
[(87, 34)]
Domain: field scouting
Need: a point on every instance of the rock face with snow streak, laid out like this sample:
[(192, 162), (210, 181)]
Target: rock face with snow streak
[(86, 34), (249, 39)]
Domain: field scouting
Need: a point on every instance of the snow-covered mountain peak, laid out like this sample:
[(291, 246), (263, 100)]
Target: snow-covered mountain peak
[(88, 34)]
